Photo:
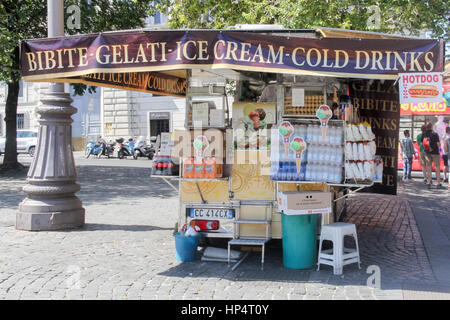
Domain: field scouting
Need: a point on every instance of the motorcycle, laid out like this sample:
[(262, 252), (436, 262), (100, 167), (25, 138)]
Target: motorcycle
[(125, 150), (143, 150), (96, 149)]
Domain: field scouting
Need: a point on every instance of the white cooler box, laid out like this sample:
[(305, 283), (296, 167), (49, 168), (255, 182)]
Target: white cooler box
[(306, 202)]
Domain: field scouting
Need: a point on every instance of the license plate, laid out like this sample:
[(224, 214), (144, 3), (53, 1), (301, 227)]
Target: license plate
[(211, 213)]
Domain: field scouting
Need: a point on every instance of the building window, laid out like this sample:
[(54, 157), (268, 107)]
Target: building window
[(20, 121), (108, 129)]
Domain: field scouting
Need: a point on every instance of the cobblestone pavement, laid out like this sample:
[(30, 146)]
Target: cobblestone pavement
[(126, 250)]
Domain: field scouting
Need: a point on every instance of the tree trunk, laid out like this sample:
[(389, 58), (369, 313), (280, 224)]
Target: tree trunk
[(10, 161)]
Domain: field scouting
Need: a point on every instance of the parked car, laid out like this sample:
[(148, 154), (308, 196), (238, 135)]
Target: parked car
[(26, 142)]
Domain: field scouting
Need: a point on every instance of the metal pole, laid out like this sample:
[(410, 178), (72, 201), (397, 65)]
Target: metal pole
[(51, 203)]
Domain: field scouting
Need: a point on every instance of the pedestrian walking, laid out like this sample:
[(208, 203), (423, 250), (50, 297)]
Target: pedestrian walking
[(408, 152), (445, 150), (423, 163), (431, 146)]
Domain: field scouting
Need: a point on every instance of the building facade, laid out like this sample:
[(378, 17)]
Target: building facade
[(86, 122)]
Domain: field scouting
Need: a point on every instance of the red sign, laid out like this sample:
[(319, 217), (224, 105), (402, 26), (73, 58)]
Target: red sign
[(424, 108)]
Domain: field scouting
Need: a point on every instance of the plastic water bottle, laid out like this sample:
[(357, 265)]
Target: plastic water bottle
[(332, 152), (288, 171), (302, 175), (308, 172), (302, 131), (338, 174), (280, 170), (318, 173), (316, 132), (273, 170), (309, 133), (283, 171), (308, 153), (340, 155), (296, 130), (313, 172), (339, 135), (319, 152), (322, 172), (315, 156), (328, 149), (316, 152), (294, 170)]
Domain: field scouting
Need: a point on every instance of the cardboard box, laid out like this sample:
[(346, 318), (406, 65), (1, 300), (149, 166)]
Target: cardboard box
[(217, 118), (306, 202), (200, 113)]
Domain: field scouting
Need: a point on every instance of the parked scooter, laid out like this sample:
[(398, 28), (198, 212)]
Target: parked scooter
[(107, 149), (125, 150), (110, 148), (96, 149), (142, 149)]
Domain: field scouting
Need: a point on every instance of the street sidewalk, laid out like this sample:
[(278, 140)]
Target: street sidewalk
[(431, 209), (127, 251)]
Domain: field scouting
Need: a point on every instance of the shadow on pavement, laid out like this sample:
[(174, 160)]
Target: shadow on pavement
[(113, 227), (248, 270), (274, 271), (100, 184)]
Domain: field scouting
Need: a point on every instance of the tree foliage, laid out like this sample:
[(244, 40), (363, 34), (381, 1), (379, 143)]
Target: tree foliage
[(391, 16)]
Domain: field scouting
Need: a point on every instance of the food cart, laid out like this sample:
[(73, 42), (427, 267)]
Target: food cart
[(296, 121)]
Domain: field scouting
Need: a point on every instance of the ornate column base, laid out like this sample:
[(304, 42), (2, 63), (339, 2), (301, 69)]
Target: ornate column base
[(50, 214), (51, 203)]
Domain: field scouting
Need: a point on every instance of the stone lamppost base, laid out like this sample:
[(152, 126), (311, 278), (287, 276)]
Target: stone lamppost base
[(50, 214), (51, 203)]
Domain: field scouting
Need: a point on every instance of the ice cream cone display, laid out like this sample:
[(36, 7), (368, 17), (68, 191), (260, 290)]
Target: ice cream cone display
[(286, 129), (298, 145), (324, 114), (200, 145)]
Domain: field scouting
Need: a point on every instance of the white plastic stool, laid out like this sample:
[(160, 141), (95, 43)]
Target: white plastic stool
[(341, 256)]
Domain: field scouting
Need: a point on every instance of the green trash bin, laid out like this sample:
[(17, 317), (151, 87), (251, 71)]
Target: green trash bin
[(299, 240)]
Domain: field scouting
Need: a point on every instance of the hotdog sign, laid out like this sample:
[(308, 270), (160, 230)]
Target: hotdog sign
[(420, 87)]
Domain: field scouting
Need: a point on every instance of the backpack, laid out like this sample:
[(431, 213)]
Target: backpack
[(426, 144)]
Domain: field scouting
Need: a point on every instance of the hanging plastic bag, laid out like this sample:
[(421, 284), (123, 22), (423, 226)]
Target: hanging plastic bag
[(373, 148), (360, 166), (348, 151), (349, 133), (370, 133), (367, 151), (363, 130), (349, 174), (355, 151), (361, 154), (357, 174), (369, 170), (356, 134), (192, 231)]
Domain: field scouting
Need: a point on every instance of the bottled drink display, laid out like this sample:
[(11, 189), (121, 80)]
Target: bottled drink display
[(201, 168), (360, 149), (339, 152), (322, 160)]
